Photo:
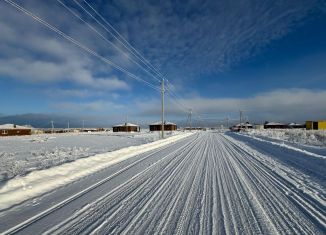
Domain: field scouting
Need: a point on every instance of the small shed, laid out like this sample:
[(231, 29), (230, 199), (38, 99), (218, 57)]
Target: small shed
[(126, 127), (12, 129), (168, 126), (316, 125), (274, 125)]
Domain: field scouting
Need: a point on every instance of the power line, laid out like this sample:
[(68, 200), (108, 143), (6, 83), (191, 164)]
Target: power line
[(177, 98), (126, 44), (77, 43), (104, 38), (121, 39), (107, 30), (184, 107)]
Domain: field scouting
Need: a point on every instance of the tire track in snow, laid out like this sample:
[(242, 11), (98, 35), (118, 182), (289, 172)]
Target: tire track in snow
[(211, 185), (180, 188), (21, 226), (103, 206), (275, 185)]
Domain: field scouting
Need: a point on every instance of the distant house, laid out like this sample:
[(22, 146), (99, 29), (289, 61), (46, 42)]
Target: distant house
[(168, 126), (241, 126), (274, 125), (126, 127), (316, 125), (294, 125), (12, 129)]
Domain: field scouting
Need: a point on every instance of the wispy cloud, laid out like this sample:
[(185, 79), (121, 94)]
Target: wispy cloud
[(183, 40), (205, 37)]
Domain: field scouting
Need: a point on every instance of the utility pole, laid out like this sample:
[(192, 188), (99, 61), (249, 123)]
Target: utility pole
[(189, 118), (52, 125), (240, 124), (162, 99)]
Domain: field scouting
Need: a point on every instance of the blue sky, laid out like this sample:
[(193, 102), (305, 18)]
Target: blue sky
[(265, 57)]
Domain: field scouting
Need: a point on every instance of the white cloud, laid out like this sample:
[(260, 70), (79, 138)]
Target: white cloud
[(31, 53), (97, 106), (111, 83), (277, 105), (199, 38)]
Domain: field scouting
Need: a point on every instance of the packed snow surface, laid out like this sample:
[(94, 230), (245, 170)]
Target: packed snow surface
[(300, 136), (20, 155), (206, 183), (39, 182)]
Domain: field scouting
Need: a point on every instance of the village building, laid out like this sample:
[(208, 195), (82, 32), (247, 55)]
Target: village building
[(316, 125), (241, 126), (126, 127), (12, 130), (274, 125), (168, 126)]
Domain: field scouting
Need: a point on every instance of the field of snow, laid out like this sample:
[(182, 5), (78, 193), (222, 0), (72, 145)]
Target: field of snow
[(299, 136), (20, 155), (205, 183)]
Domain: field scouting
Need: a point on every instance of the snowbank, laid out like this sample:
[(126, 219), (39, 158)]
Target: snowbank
[(36, 183), (300, 136), (20, 155), (288, 147)]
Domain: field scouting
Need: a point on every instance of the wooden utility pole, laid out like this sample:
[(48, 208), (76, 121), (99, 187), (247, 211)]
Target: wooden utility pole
[(52, 125), (240, 124), (189, 119), (162, 99)]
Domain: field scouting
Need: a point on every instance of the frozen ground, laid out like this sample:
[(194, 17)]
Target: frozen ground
[(206, 183), (299, 136), (20, 155)]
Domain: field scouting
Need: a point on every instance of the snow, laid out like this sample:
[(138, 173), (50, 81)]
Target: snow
[(12, 126), (165, 123), (20, 155), (37, 183), (300, 136), (283, 145), (206, 183), (243, 124), (126, 124), (274, 124)]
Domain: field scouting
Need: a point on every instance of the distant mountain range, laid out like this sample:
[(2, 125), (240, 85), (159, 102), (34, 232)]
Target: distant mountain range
[(41, 120), (44, 120)]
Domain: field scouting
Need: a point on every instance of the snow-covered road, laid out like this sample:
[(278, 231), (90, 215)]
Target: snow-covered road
[(208, 183)]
